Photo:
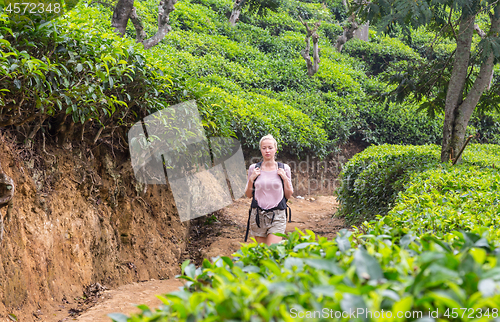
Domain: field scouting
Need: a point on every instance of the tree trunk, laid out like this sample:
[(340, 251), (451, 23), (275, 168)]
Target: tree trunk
[(140, 34), (458, 110), (235, 14), (456, 85), (121, 14), (316, 60), (125, 9), (312, 66), (164, 9), (348, 33)]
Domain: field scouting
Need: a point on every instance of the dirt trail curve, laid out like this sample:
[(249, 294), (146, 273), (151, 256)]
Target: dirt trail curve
[(222, 237)]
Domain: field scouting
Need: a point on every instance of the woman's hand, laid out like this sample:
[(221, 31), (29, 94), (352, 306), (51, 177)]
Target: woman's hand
[(251, 179), (286, 183), (282, 173), (255, 174)]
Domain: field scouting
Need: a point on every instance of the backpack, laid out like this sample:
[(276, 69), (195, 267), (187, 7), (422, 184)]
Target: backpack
[(281, 206)]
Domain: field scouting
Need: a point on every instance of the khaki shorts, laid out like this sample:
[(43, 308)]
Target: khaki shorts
[(268, 225)]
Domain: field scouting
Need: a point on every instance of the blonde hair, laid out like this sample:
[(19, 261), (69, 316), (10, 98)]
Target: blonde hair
[(269, 137)]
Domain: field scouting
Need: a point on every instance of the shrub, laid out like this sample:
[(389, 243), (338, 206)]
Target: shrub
[(441, 200), (462, 197), (335, 77), (403, 124), (290, 281), (380, 52), (331, 31), (254, 116), (92, 77), (406, 181), (371, 180), (221, 7)]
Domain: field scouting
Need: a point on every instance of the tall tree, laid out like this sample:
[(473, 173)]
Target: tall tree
[(259, 7), (455, 83), (125, 10)]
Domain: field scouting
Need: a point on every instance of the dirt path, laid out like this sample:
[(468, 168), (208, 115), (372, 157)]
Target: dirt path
[(220, 235)]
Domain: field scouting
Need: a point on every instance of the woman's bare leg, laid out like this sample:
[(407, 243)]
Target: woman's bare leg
[(272, 239), (260, 239)]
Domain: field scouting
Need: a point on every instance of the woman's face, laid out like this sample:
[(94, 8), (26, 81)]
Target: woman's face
[(267, 149)]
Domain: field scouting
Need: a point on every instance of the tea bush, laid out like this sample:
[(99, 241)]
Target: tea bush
[(380, 52), (371, 180), (389, 123), (379, 180), (464, 197), (254, 116), (93, 75), (258, 59), (451, 198), (381, 271)]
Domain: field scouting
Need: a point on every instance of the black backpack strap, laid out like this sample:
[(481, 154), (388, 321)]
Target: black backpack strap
[(248, 223), (282, 166), (288, 210), (257, 165)]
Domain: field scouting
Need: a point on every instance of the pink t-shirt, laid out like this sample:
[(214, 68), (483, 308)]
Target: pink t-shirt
[(269, 187)]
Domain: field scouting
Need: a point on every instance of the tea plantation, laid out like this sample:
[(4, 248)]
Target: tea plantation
[(426, 245), (248, 80)]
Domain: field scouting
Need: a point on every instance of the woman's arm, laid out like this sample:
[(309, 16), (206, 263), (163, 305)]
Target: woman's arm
[(286, 176), (252, 175), (249, 189)]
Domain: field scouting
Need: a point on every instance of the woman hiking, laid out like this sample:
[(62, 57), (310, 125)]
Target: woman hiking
[(272, 182)]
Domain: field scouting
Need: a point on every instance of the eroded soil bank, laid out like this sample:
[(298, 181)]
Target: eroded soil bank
[(80, 218)]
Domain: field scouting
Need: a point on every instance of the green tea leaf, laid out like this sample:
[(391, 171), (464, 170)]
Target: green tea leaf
[(118, 317), (367, 267)]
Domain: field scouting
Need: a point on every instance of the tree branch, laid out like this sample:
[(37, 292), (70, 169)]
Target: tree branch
[(451, 24), (235, 14), (312, 67), (139, 29), (120, 16), (19, 123), (483, 78), (348, 32), (164, 9), (440, 72), (481, 33)]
